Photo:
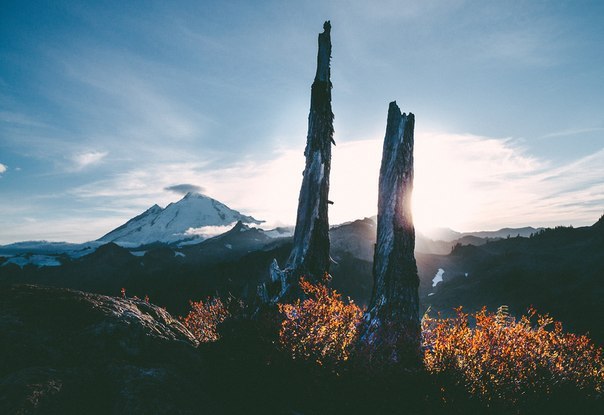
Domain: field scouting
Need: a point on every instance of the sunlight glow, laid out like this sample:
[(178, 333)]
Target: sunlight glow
[(463, 182), (458, 179)]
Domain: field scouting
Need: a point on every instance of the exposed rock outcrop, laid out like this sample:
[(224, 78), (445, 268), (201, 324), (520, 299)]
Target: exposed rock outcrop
[(65, 351)]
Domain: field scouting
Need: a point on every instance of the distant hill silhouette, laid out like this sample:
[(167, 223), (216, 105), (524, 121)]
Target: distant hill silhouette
[(556, 270)]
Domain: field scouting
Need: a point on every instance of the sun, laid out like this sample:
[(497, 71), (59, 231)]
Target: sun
[(443, 191), (443, 194)]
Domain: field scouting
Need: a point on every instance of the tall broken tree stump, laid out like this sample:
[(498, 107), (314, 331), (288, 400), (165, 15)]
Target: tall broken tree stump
[(309, 256), (393, 331)]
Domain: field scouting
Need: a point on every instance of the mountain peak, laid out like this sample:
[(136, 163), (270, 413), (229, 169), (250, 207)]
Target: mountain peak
[(174, 223), (195, 195), (599, 223)]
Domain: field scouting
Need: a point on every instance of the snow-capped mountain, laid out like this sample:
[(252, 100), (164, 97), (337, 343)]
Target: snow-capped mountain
[(193, 218)]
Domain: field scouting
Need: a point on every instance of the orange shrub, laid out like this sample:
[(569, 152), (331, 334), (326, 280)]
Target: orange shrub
[(204, 318), (505, 358), (322, 327)]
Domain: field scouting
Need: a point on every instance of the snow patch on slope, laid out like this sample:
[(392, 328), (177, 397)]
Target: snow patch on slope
[(280, 232), (438, 277)]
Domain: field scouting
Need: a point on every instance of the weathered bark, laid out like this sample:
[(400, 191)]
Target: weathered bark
[(310, 252), (393, 331)]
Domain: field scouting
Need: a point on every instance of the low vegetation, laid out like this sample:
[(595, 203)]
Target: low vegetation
[(495, 356), (204, 318), (486, 361), (322, 328)]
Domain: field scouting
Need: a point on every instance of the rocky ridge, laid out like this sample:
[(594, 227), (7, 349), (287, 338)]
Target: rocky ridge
[(66, 351)]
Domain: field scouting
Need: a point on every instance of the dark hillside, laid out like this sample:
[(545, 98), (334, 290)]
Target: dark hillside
[(64, 351), (559, 271)]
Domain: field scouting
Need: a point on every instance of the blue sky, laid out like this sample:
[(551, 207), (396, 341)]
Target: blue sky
[(105, 106)]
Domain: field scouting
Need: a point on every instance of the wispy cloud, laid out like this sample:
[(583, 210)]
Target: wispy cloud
[(457, 177), (185, 188), (142, 106), (395, 10), (137, 104), (265, 189), (209, 231), (576, 131), (90, 158), (488, 184), (520, 46), (14, 118), (464, 181), (3, 169)]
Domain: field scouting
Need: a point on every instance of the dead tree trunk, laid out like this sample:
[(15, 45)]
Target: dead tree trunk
[(310, 252), (393, 333)]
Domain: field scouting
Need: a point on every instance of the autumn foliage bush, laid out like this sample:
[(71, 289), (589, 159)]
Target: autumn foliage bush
[(502, 358), (204, 317), (483, 362), (322, 327)]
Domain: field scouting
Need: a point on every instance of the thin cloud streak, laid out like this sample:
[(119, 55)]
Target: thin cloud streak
[(90, 158), (573, 132)]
